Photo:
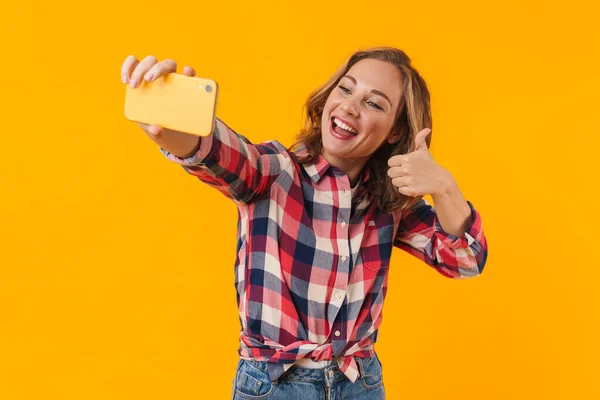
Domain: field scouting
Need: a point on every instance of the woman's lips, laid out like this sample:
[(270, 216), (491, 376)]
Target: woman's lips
[(345, 122), (337, 135)]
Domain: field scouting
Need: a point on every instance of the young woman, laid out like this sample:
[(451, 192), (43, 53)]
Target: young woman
[(318, 220)]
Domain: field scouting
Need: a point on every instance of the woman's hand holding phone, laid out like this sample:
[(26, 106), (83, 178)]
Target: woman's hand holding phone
[(133, 72)]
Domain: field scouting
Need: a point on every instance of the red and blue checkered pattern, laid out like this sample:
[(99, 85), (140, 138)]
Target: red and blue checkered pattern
[(313, 254)]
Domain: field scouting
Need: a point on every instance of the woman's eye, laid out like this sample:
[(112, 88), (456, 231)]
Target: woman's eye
[(371, 103), (375, 105)]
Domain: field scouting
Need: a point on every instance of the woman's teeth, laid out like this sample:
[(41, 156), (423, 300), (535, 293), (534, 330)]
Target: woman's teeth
[(344, 126)]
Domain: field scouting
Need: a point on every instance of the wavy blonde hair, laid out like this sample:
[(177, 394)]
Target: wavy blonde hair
[(413, 115)]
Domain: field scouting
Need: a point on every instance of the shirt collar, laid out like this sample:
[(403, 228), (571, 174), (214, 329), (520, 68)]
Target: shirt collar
[(318, 169)]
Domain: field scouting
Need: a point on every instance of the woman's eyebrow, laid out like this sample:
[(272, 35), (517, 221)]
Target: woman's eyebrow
[(372, 90)]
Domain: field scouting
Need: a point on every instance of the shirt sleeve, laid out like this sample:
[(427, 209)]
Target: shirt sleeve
[(421, 235), (230, 163)]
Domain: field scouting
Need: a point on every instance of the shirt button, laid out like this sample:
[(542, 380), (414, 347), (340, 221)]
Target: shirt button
[(343, 224), (330, 373), (344, 258), (337, 333), (338, 295)]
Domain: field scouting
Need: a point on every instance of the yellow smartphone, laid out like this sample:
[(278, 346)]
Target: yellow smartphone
[(175, 101)]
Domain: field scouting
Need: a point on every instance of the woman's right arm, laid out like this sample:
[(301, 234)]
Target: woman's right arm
[(225, 159)]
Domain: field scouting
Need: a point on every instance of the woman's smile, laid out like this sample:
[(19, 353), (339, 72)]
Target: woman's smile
[(341, 130)]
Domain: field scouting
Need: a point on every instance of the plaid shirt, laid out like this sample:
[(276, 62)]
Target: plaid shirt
[(312, 259)]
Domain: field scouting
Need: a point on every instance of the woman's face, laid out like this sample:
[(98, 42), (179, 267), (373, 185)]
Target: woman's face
[(365, 101)]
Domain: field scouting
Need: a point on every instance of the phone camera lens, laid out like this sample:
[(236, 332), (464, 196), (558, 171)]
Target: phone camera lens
[(208, 88)]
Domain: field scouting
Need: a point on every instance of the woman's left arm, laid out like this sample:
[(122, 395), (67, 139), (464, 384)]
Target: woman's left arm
[(448, 237), (451, 208)]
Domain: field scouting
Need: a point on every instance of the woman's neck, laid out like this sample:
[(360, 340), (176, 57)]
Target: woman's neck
[(351, 167)]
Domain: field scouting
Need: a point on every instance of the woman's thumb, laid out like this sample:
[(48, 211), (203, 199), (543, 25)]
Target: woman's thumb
[(154, 130)]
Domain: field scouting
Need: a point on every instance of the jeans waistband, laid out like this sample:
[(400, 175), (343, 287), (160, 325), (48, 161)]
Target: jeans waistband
[(331, 373)]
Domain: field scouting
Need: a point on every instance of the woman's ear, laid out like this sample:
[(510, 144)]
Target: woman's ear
[(395, 135), (394, 138)]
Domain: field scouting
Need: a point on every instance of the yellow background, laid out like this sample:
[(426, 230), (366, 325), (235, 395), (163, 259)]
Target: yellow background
[(116, 268)]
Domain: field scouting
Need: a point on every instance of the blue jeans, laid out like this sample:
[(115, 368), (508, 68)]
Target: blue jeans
[(252, 382)]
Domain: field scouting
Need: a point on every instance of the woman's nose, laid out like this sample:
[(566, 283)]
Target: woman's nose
[(350, 108)]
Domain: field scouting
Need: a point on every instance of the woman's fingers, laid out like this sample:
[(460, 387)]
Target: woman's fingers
[(160, 69), (189, 71), (140, 70), (128, 65), (149, 69), (133, 72)]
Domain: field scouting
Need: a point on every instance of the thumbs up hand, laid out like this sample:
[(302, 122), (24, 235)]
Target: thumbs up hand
[(417, 173)]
